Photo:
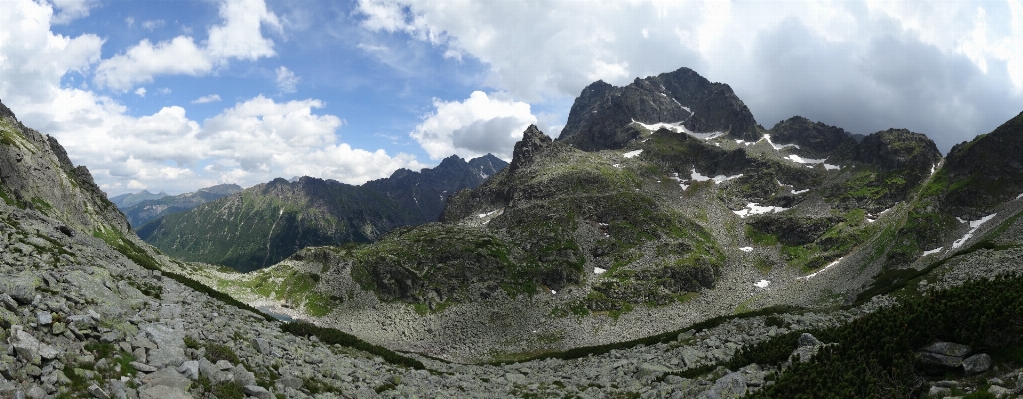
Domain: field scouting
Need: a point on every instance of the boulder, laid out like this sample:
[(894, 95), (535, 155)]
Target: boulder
[(262, 346), (170, 345), (947, 349), (978, 363), (935, 360), (258, 392), (163, 392), (167, 377)]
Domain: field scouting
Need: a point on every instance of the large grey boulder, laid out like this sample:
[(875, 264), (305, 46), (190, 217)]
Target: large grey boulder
[(168, 377), (932, 360), (258, 392), (978, 363), (732, 385), (29, 348), (163, 392), (947, 349)]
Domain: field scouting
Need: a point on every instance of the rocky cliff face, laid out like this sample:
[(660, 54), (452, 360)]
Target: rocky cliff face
[(36, 173), (603, 115)]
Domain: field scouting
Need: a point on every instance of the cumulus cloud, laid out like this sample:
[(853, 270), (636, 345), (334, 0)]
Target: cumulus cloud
[(141, 92), (239, 37), (479, 125), (286, 80), (207, 99), (849, 63), (254, 141), (70, 10)]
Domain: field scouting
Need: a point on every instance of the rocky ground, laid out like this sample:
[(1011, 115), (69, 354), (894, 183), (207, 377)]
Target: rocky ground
[(81, 320)]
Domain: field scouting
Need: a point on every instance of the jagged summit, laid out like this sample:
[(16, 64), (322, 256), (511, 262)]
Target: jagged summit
[(815, 139), (533, 142), (602, 115)]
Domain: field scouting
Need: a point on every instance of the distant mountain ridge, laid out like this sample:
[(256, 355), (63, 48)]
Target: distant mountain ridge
[(129, 200), (143, 211), (264, 224)]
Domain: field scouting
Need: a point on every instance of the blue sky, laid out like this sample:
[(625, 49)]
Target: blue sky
[(179, 95)]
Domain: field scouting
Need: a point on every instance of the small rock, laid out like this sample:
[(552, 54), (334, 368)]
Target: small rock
[(58, 328), (258, 392), (163, 392), (262, 346), (145, 368), (190, 369), (808, 339), (98, 392), (290, 382), (999, 391), (44, 318), (939, 392)]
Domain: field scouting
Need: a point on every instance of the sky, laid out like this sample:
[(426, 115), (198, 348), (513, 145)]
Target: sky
[(178, 95)]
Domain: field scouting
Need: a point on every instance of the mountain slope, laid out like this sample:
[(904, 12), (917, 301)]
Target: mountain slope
[(265, 224), (143, 211), (36, 173), (635, 234)]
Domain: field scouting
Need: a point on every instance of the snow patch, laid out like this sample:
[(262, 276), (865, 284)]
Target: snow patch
[(746, 249), (632, 154), (762, 284), (797, 192), (717, 179), (812, 275), (744, 142), (828, 166), (974, 225), (681, 183), (1019, 196), (754, 208), (798, 159), (933, 251), (617, 165), (776, 146), (553, 292), (483, 215), (597, 270), (678, 127)]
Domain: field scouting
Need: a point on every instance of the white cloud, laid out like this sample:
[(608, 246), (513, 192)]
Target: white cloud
[(239, 37), (130, 21), (150, 25), (207, 99), (141, 92), (140, 63), (286, 80), (474, 127), (252, 142), (829, 61), (71, 10)]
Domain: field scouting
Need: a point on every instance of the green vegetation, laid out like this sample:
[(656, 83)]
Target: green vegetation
[(576, 353), (874, 357), (289, 285), (332, 336)]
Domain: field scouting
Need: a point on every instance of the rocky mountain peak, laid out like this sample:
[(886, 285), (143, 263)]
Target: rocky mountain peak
[(899, 149), (814, 138), (533, 142), (603, 115)]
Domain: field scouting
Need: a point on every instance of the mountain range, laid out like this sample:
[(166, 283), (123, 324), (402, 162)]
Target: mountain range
[(262, 225), (140, 211)]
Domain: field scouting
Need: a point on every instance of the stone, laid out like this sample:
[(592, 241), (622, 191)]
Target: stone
[(9, 302), (170, 345), (1000, 392), (978, 363), (140, 354), (167, 377), (163, 392), (190, 369), (145, 368), (243, 376), (44, 318), (22, 293), (58, 328), (25, 345), (98, 392), (38, 393), (262, 346), (948, 349), (140, 341), (808, 339), (515, 378), (939, 392), (258, 392), (932, 360), (731, 385)]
